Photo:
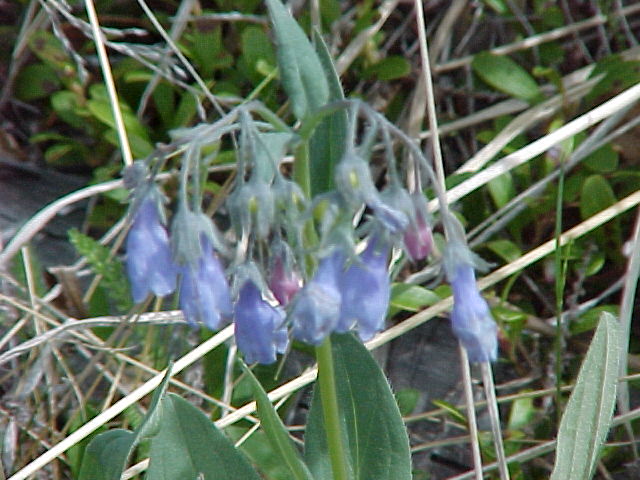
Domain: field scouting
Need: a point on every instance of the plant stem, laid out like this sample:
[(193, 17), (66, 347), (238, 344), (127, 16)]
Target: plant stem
[(324, 354), (332, 424), (559, 289), (494, 415), (471, 412)]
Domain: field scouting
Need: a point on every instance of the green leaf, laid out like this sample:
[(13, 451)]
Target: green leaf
[(506, 76), (256, 49), (596, 195), (451, 409), (603, 160), (300, 69), (590, 319), (522, 413), (587, 418), (189, 446), (505, 249), (407, 400), (616, 74), (411, 297), (501, 189), (389, 68), (260, 452), (106, 455), (375, 436), (326, 146), (67, 105), (36, 81), (100, 108), (276, 431), (102, 263)]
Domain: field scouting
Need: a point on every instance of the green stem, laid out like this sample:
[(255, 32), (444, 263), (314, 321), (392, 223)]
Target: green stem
[(559, 290), (324, 355), (332, 424)]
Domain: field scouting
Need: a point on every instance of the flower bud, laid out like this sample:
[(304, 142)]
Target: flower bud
[(259, 327), (471, 319), (365, 289), (418, 239), (353, 180), (150, 267), (252, 208), (204, 291), (284, 282), (316, 308)]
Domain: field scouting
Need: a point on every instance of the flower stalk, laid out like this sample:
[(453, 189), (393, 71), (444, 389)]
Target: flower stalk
[(324, 354)]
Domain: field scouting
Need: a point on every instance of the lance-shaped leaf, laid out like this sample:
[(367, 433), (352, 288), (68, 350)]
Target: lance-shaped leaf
[(106, 455), (276, 432), (587, 418), (328, 140), (300, 69), (374, 434), (189, 446), (505, 75)]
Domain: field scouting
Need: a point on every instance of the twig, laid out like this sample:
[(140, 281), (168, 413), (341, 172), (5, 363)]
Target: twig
[(127, 158)]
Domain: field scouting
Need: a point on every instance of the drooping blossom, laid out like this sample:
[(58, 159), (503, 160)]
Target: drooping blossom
[(365, 289), (418, 239), (204, 291), (353, 180), (259, 327), (316, 308), (150, 267), (284, 282), (471, 319)]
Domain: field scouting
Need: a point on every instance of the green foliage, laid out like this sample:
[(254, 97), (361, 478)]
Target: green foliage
[(277, 433), (587, 417), (389, 68), (375, 437), (300, 69), (105, 458), (616, 75), (102, 263), (411, 298), (407, 400), (188, 445), (506, 76), (596, 195), (326, 146)]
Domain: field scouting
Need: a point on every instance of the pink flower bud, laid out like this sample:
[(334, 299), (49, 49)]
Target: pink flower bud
[(418, 239), (283, 282)]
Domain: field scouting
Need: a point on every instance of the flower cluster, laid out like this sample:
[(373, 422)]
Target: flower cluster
[(274, 288)]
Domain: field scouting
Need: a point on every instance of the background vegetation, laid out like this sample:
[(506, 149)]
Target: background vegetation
[(536, 103)]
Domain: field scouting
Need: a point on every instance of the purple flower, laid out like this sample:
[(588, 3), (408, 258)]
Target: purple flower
[(149, 264), (259, 327), (365, 291), (316, 308), (418, 239), (283, 282), (204, 291), (471, 319)]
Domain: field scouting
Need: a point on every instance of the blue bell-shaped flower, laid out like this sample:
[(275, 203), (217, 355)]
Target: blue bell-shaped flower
[(204, 291), (366, 289), (471, 319), (259, 328), (316, 308), (150, 267)]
